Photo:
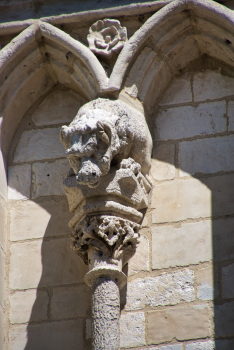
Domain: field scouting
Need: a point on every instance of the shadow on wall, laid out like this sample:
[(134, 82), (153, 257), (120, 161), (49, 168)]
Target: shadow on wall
[(194, 153), (46, 276)]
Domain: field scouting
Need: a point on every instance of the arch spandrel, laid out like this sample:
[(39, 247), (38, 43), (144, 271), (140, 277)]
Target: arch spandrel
[(38, 58), (172, 39)]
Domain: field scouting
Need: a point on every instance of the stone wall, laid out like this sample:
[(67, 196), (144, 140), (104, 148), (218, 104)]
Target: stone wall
[(190, 223), (172, 282)]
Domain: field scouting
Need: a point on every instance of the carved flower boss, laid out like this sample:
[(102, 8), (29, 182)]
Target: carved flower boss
[(106, 38)]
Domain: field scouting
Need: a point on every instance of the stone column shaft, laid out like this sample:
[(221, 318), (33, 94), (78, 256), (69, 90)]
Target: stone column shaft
[(106, 313)]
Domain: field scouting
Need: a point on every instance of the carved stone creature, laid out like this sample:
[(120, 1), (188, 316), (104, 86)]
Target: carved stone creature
[(103, 133)]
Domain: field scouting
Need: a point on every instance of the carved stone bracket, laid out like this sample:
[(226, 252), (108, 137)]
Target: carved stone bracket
[(108, 145)]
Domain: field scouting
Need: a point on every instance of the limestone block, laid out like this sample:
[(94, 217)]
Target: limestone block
[(71, 301), (44, 263), (188, 121), (3, 219), (51, 336), (206, 345), (163, 161), (209, 85), (222, 188), (223, 239), (140, 260), (155, 291), (217, 157), (2, 275), (181, 322), (178, 92), (25, 265), (230, 113), (180, 200), (29, 305), (39, 144), (1, 328), (228, 281), (132, 330), (36, 220), (224, 319), (3, 177), (166, 347), (204, 279), (88, 328), (225, 344), (48, 178), (19, 182), (58, 107), (190, 243), (182, 52)]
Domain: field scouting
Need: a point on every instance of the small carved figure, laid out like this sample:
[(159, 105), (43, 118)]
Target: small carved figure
[(103, 133), (106, 38)]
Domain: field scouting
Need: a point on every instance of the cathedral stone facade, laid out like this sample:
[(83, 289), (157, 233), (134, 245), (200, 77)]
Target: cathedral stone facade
[(117, 176)]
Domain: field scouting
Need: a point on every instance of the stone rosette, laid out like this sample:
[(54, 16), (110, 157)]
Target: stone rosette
[(106, 38)]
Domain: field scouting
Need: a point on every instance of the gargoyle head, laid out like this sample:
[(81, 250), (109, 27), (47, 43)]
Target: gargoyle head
[(91, 142)]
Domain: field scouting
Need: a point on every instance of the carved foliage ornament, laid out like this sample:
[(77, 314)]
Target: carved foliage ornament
[(106, 38), (112, 235)]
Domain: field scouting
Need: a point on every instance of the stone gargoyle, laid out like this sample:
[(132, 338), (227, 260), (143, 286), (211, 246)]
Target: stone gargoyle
[(104, 133)]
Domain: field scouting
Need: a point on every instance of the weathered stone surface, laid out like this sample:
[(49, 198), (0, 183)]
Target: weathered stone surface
[(218, 156), (166, 347), (29, 305), (179, 200), (2, 275), (3, 177), (25, 265), (190, 243), (140, 260), (45, 263), (206, 345), (3, 219), (58, 107), (155, 291), (51, 336), (181, 322), (209, 85), (19, 182), (227, 344), (228, 281), (48, 178), (204, 279), (179, 91), (222, 188), (71, 301), (39, 144), (132, 330), (105, 313), (163, 160), (223, 239), (100, 38), (88, 328), (230, 113), (1, 328), (224, 320), (37, 220), (188, 121)]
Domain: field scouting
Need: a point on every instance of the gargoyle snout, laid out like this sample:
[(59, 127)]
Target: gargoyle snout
[(89, 173)]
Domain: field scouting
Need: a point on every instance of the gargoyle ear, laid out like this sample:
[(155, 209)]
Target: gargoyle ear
[(102, 134), (63, 135)]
